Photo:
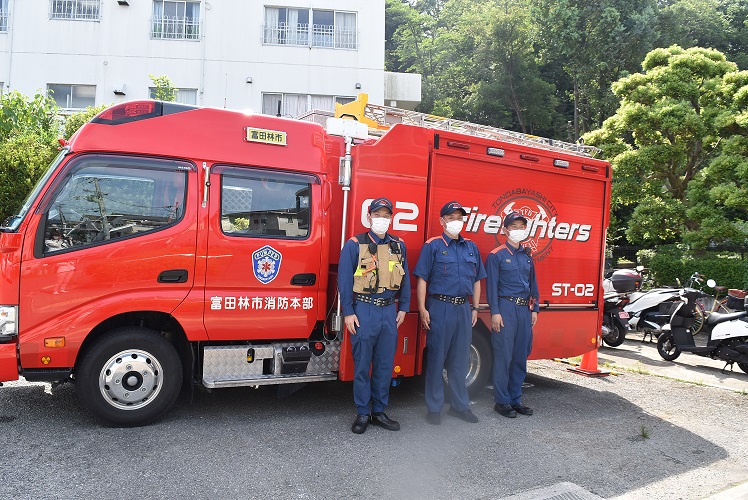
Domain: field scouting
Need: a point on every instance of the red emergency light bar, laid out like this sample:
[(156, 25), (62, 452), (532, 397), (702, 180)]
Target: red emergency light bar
[(138, 110)]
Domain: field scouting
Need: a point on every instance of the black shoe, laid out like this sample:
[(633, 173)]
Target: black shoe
[(434, 417), (522, 409), (465, 415), (359, 426), (505, 410), (383, 420)]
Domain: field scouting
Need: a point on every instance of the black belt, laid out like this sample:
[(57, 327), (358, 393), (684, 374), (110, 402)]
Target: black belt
[(379, 302), (517, 300), (448, 298)]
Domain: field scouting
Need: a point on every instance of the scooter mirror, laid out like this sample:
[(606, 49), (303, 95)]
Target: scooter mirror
[(640, 268), (711, 283)]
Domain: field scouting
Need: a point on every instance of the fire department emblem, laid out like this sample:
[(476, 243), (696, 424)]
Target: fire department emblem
[(266, 264)]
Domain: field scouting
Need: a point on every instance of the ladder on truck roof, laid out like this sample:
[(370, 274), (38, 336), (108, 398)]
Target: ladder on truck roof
[(380, 118)]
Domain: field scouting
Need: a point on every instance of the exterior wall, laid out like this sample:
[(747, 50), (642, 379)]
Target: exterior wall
[(118, 50)]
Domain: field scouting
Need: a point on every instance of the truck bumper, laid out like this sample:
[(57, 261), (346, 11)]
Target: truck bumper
[(8, 362)]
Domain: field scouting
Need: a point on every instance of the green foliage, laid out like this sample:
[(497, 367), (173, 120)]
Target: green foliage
[(23, 160), (77, 120), (28, 133), (165, 89), (669, 267)]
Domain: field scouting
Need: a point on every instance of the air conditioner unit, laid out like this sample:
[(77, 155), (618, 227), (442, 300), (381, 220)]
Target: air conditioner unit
[(119, 89)]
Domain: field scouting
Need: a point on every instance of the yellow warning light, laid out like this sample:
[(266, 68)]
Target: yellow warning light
[(397, 369), (46, 360), (54, 342), (594, 340)]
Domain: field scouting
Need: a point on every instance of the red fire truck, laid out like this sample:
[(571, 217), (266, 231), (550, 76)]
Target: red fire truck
[(170, 245)]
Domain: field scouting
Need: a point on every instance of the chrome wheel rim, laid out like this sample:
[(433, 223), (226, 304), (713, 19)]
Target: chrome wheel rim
[(130, 379)]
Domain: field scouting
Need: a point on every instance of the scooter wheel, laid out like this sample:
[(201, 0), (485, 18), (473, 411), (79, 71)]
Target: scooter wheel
[(743, 366), (666, 347), (615, 336)]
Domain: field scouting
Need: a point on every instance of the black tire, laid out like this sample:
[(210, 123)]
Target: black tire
[(480, 365), (119, 365), (743, 366), (616, 336), (666, 347)]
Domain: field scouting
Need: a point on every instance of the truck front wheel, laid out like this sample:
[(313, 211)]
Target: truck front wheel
[(479, 365), (130, 376)]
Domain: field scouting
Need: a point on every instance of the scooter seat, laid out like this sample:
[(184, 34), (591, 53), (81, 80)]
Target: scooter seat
[(715, 317)]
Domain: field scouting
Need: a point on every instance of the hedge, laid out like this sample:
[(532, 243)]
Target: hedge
[(667, 269)]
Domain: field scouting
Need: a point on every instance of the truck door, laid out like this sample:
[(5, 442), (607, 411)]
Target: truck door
[(264, 253)]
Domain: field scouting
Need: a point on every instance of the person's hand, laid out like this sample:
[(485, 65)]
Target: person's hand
[(351, 322), (497, 322), (475, 317), (534, 318), (400, 318), (425, 318)]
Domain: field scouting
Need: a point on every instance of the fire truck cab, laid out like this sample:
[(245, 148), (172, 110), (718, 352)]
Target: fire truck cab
[(171, 245)]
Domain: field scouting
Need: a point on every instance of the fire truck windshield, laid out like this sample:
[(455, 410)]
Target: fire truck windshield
[(12, 223)]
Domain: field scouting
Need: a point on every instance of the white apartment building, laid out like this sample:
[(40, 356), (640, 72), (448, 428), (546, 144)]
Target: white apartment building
[(265, 56)]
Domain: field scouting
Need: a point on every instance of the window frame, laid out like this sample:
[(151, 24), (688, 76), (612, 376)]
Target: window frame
[(190, 31), (72, 86), (255, 173), (282, 32), (309, 97), (74, 8), (113, 164)]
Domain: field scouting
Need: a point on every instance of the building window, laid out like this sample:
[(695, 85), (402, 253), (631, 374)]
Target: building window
[(294, 105), (73, 96), (3, 16), (310, 27), (85, 10), (184, 96), (175, 20)]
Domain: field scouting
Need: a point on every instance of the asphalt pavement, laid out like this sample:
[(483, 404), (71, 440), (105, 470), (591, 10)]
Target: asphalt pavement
[(638, 434)]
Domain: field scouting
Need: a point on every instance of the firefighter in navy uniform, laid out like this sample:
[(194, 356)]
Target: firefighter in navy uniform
[(374, 286), (512, 292), (449, 271)]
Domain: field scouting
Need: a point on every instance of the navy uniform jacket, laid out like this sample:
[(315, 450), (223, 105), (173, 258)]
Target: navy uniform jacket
[(347, 266), (509, 275), (450, 267)]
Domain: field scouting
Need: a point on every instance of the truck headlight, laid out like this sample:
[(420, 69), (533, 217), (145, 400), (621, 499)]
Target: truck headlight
[(8, 320)]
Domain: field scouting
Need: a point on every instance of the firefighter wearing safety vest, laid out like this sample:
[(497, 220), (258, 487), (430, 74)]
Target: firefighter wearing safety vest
[(512, 292), (449, 271), (374, 286)]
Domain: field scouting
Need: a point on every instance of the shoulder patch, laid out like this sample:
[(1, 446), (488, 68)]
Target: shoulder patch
[(502, 247), (434, 238)]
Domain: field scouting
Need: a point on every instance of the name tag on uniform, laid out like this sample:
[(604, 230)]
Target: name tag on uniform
[(444, 252), (509, 260)]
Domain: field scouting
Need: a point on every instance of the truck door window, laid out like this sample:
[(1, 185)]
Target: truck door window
[(266, 205), (103, 202)]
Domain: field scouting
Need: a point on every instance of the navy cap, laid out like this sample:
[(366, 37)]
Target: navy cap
[(513, 216), (378, 203), (451, 207)]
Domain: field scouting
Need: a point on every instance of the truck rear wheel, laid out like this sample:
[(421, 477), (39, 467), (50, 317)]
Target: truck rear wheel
[(130, 376), (480, 364)]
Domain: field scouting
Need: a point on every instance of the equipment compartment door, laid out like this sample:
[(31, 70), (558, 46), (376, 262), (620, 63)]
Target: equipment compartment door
[(264, 252)]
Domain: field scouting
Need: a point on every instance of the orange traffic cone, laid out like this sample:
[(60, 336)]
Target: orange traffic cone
[(588, 367)]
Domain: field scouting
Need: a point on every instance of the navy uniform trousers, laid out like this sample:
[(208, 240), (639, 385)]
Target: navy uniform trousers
[(375, 342), (448, 341), (511, 347)]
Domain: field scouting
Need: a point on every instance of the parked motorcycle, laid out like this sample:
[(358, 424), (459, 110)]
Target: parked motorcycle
[(615, 319), (618, 286), (726, 334), (650, 311)]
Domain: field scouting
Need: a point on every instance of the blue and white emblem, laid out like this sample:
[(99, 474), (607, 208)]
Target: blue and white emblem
[(266, 263)]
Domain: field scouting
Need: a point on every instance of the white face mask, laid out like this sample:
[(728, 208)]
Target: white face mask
[(454, 227), (379, 225), (517, 235)]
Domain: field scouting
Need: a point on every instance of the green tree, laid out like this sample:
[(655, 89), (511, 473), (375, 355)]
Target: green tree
[(666, 130), (75, 121), (29, 128), (165, 89)]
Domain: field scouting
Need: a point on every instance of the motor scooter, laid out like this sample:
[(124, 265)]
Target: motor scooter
[(650, 311), (615, 319), (726, 335)]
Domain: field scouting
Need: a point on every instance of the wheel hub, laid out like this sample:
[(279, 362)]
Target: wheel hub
[(130, 379)]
